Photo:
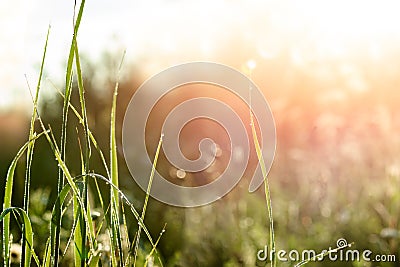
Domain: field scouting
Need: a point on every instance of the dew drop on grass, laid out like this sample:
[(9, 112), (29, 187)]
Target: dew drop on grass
[(181, 174)]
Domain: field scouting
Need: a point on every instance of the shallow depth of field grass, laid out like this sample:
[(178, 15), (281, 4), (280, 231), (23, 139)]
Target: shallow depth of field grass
[(332, 178), (89, 243)]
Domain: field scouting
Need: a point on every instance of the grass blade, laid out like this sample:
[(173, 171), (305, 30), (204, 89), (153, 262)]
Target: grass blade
[(31, 145), (91, 136), (86, 151), (153, 169), (27, 229), (68, 90), (8, 197), (116, 233), (113, 140), (66, 173), (154, 247), (266, 188), (126, 200)]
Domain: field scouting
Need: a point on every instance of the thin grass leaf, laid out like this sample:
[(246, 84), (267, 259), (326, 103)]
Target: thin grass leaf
[(29, 155), (77, 233), (87, 149), (68, 90), (32, 129), (94, 259), (266, 188), (66, 172), (56, 214), (79, 249), (8, 197), (153, 169), (27, 232), (113, 140), (91, 136), (126, 200), (128, 243), (116, 233), (154, 246), (47, 254)]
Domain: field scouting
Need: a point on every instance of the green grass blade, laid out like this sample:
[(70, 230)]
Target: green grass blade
[(68, 90), (266, 188), (94, 260), (31, 146), (82, 228), (153, 170), (91, 136), (79, 255), (154, 247), (86, 150), (56, 215), (32, 129), (113, 140), (47, 254), (115, 225), (126, 200), (27, 232), (77, 233), (65, 170), (8, 197)]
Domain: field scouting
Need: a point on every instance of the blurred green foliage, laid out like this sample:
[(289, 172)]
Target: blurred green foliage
[(336, 174)]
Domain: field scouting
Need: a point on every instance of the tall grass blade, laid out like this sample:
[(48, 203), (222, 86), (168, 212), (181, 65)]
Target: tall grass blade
[(126, 200), (154, 247), (32, 129), (66, 172), (113, 140), (86, 153), (153, 170), (29, 154), (77, 233), (114, 199), (68, 89), (266, 188), (27, 229), (91, 136), (47, 253), (8, 196), (56, 215)]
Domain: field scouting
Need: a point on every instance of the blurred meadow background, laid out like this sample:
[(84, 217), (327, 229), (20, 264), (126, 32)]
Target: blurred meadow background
[(329, 70)]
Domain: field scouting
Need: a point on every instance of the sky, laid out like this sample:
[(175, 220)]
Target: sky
[(136, 26), (165, 29)]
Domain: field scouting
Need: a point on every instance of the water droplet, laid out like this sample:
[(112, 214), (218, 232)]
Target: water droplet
[(180, 174)]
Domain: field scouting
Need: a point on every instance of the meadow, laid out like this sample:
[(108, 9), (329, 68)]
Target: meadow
[(69, 199)]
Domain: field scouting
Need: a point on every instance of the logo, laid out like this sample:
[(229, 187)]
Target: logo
[(160, 85), (341, 253)]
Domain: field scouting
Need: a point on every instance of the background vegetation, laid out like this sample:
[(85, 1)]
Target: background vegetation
[(336, 173)]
